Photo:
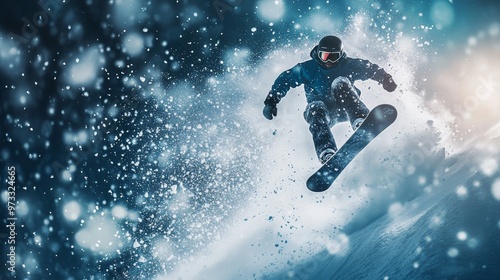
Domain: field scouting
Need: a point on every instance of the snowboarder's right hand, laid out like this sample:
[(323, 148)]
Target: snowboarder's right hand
[(270, 109)]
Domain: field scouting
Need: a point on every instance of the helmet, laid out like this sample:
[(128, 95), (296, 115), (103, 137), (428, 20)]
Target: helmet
[(330, 49)]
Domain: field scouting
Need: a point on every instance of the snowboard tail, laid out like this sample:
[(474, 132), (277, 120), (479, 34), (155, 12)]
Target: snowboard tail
[(377, 120)]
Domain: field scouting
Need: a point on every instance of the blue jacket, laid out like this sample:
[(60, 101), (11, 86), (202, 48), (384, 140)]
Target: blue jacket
[(317, 80)]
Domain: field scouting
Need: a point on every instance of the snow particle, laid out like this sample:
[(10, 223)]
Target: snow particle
[(38, 240), (84, 71), (418, 250), (453, 252), (472, 243), (270, 11), (4, 197), (119, 212), (422, 180), (494, 30), (489, 166), (133, 44), (99, 236), (416, 265), (461, 191), (495, 190), (442, 14), (66, 175), (80, 137), (472, 41), (436, 220), (394, 209), (338, 245), (22, 208), (72, 211), (462, 235)]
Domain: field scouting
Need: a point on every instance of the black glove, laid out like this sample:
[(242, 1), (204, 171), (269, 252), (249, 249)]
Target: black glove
[(270, 109), (388, 83)]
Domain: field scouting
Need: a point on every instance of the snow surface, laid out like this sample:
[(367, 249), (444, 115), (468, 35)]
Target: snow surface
[(440, 234)]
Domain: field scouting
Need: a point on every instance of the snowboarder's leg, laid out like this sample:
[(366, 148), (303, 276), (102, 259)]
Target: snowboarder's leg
[(348, 101), (317, 117)]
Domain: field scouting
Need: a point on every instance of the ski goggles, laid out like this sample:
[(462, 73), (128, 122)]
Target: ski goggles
[(329, 56)]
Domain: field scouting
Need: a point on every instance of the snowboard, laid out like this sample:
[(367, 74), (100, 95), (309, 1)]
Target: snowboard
[(377, 120)]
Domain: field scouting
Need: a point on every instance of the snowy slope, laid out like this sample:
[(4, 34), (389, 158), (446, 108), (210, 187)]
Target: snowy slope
[(449, 232)]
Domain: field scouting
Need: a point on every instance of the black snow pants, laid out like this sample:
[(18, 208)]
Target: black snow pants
[(347, 107)]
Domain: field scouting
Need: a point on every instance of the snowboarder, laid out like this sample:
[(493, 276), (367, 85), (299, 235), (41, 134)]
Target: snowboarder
[(328, 79)]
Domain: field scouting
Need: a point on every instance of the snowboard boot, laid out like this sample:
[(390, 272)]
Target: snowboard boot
[(357, 123), (347, 97), (326, 155)]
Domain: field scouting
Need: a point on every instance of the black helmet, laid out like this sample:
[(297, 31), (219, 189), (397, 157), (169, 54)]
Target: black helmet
[(330, 49)]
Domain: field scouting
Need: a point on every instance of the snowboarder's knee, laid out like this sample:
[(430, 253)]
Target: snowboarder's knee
[(316, 111), (341, 83)]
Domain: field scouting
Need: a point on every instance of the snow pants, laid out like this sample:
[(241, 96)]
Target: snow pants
[(321, 118)]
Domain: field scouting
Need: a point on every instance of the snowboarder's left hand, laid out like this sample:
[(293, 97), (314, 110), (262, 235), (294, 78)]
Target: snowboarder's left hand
[(388, 83)]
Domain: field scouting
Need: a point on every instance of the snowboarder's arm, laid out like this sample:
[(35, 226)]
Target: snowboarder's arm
[(290, 78), (364, 70)]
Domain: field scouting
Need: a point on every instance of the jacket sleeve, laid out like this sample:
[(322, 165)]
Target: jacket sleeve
[(363, 69), (290, 78)]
